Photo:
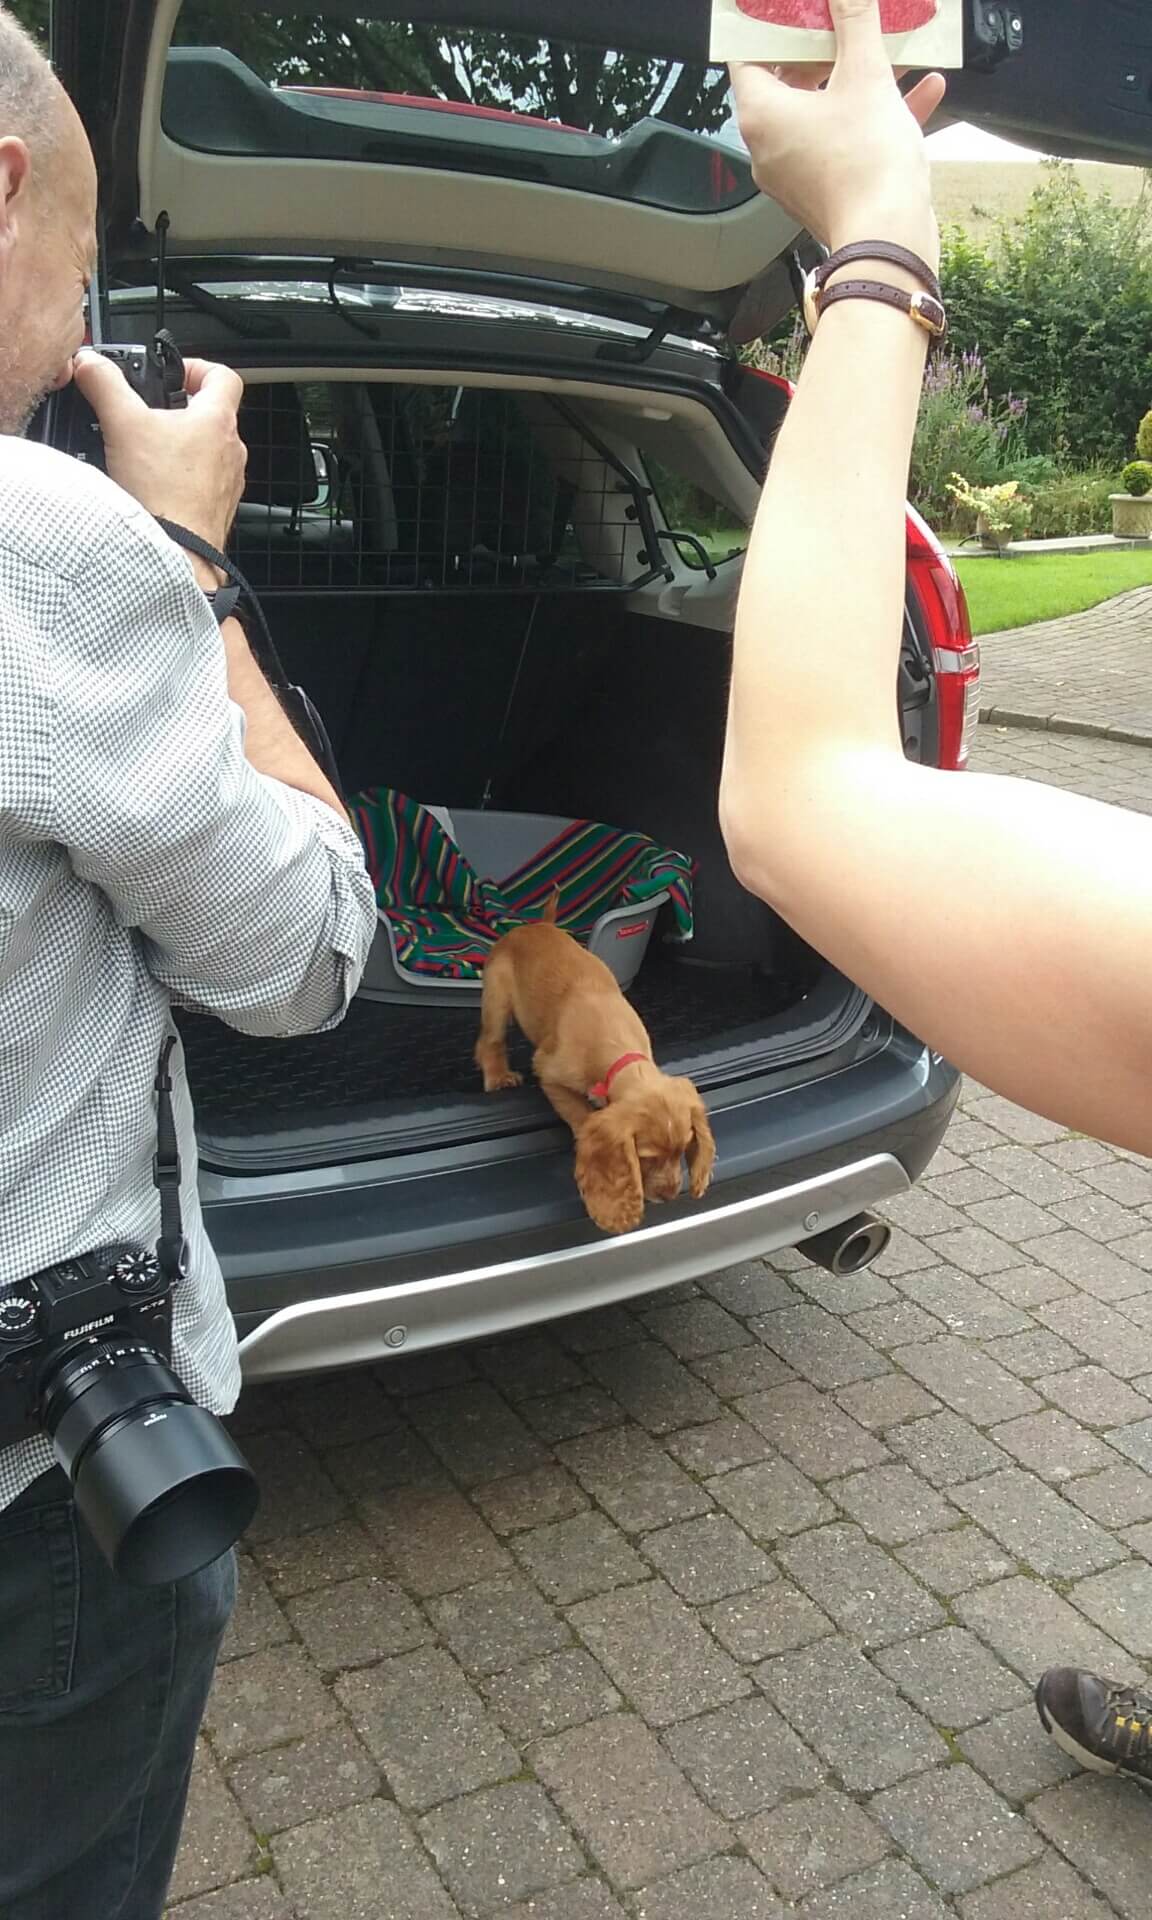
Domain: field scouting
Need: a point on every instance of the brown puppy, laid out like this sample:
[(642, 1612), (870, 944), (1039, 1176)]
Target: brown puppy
[(591, 1045)]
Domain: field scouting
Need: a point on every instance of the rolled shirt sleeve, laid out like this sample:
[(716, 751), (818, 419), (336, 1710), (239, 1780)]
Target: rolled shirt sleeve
[(252, 897)]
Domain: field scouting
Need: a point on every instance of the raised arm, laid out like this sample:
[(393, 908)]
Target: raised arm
[(1007, 924)]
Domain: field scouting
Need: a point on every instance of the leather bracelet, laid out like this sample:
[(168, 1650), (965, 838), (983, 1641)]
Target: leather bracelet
[(886, 250), (922, 308), (926, 311)]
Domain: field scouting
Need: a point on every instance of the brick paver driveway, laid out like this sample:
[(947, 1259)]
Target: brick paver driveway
[(1090, 669), (726, 1606)]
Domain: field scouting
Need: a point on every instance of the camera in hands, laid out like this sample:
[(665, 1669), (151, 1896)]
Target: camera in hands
[(85, 1358), (155, 372)]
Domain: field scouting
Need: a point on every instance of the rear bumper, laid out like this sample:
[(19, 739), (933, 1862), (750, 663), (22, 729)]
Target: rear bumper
[(356, 1328), (351, 1264)]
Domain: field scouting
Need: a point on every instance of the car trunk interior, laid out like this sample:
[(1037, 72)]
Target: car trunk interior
[(571, 682)]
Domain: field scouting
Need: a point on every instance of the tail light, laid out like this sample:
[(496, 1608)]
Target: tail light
[(777, 380), (955, 655), (763, 399)]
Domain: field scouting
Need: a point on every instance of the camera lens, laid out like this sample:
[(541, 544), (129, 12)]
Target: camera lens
[(156, 1478)]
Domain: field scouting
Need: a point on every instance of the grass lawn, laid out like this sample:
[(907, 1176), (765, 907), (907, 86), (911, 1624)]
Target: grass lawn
[(978, 194), (720, 543), (1045, 586)]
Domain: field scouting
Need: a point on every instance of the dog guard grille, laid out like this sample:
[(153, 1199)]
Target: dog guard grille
[(376, 486)]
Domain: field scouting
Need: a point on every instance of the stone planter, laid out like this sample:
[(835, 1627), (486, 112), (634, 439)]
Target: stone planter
[(992, 542), (1131, 516)]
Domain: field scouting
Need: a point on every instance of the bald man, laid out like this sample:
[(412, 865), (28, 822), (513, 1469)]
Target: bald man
[(163, 834)]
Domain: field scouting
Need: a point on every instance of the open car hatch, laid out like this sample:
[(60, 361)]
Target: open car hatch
[(481, 137)]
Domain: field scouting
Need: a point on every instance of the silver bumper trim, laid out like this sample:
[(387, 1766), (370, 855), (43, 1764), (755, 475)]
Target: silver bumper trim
[(355, 1329)]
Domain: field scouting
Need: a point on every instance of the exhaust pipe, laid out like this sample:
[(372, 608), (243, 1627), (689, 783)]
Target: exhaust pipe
[(849, 1248)]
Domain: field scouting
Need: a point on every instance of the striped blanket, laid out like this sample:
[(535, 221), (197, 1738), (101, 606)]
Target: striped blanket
[(445, 919)]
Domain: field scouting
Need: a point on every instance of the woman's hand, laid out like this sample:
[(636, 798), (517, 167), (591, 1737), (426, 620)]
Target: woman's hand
[(848, 159)]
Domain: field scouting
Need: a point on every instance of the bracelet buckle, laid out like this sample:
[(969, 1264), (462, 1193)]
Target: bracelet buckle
[(928, 313), (810, 301)]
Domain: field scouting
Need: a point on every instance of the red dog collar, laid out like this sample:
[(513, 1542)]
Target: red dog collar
[(598, 1094)]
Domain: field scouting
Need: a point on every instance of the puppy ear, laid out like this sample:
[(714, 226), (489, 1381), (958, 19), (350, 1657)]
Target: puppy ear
[(608, 1172), (701, 1155)]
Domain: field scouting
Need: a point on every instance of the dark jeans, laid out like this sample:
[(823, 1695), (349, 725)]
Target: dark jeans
[(102, 1688)]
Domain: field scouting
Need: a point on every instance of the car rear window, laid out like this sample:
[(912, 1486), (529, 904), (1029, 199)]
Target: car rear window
[(386, 487), (704, 529), (360, 83)]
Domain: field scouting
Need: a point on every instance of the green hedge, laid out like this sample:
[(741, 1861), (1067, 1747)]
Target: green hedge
[(1059, 306), (1073, 503)]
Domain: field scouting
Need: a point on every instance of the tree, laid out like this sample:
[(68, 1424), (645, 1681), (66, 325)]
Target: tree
[(32, 14), (1060, 306), (589, 87)]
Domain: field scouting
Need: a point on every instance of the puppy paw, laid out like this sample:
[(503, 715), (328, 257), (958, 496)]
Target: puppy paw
[(501, 1082), (615, 1219)]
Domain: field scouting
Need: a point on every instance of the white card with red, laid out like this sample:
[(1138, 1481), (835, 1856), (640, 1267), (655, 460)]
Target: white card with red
[(919, 33)]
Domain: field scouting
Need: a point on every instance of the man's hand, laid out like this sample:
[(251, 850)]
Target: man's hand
[(187, 465), (848, 158)]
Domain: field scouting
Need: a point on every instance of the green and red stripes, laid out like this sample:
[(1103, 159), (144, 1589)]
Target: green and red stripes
[(446, 918)]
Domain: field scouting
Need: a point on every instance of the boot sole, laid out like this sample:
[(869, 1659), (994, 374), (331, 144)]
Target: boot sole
[(1064, 1740)]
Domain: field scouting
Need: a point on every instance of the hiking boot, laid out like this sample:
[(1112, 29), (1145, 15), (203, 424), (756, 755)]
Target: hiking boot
[(1106, 1727)]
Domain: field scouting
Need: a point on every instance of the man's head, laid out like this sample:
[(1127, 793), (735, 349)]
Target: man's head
[(47, 228)]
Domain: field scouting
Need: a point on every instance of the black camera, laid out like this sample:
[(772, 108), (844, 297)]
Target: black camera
[(155, 372), (85, 1352)]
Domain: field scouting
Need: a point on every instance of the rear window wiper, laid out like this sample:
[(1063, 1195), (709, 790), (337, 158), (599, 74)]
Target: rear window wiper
[(249, 325)]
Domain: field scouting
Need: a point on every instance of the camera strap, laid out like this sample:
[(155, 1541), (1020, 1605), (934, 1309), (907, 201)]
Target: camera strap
[(298, 708), (171, 1248)]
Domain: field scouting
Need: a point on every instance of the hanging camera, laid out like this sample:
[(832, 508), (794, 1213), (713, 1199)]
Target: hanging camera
[(85, 1358)]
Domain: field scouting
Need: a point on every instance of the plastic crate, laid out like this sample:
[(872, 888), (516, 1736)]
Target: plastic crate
[(495, 845)]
